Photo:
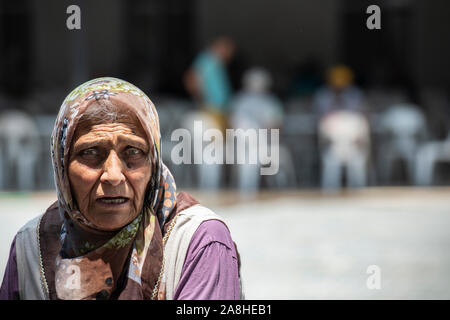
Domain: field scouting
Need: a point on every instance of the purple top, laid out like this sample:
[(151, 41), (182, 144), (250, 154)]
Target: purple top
[(210, 270)]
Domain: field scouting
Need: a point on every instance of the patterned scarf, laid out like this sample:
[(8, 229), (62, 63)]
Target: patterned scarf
[(94, 264)]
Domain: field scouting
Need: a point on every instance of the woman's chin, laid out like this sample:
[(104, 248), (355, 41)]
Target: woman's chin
[(113, 218)]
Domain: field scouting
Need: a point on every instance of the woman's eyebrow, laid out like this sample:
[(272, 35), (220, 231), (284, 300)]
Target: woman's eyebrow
[(86, 144), (135, 141)]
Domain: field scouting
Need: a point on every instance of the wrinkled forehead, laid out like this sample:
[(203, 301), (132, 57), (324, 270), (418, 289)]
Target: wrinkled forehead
[(106, 116), (112, 111)]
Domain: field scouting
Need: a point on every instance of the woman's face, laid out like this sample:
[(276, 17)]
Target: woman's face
[(109, 170)]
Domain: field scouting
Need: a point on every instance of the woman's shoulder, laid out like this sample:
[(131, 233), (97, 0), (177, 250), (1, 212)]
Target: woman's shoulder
[(204, 225), (212, 231), (195, 219), (32, 224), (200, 213)]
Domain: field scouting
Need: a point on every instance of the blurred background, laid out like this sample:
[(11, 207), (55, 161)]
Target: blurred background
[(363, 117)]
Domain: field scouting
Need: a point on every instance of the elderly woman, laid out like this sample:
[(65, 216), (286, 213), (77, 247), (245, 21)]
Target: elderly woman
[(119, 230)]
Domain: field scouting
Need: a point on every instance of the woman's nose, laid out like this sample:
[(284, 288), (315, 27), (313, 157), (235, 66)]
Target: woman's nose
[(112, 170)]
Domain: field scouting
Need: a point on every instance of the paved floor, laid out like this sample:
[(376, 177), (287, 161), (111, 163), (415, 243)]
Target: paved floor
[(305, 245)]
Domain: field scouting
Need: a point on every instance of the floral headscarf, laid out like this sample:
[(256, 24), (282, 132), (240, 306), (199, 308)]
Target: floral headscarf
[(94, 264)]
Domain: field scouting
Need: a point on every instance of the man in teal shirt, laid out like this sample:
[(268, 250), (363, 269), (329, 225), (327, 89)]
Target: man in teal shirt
[(212, 84)]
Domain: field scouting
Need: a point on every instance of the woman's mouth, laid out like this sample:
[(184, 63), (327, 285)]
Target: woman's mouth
[(113, 201)]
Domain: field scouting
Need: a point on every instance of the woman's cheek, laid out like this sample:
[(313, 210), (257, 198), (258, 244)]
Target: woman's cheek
[(139, 181), (81, 178)]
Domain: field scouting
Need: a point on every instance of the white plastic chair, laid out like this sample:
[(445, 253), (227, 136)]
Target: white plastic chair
[(403, 126), (21, 146), (45, 124), (209, 176), (171, 114), (300, 136), (428, 155)]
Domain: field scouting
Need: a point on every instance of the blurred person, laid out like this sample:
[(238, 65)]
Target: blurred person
[(208, 81), (343, 129), (339, 93), (119, 229), (345, 141), (255, 107)]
